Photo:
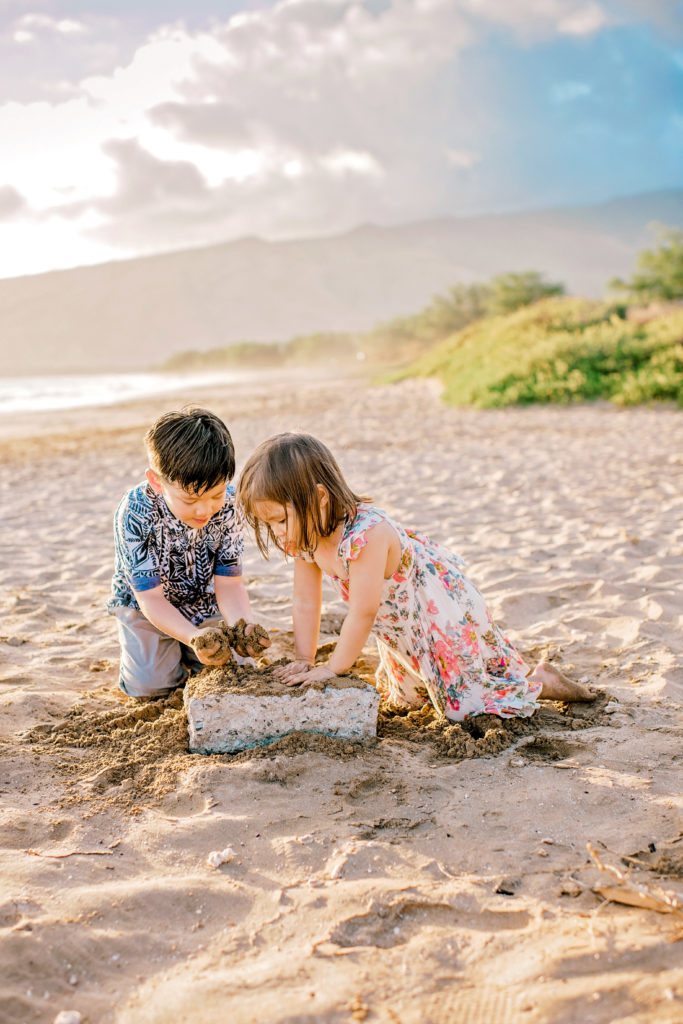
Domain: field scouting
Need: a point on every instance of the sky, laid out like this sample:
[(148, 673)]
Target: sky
[(129, 126)]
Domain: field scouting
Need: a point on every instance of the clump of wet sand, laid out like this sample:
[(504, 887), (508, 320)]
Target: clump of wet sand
[(249, 640), (487, 735), (258, 680), (124, 752)]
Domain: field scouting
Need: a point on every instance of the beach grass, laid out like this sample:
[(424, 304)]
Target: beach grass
[(559, 350)]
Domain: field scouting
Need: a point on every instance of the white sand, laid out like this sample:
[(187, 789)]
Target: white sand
[(363, 885)]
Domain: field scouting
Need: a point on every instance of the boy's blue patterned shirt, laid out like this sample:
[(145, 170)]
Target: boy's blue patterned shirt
[(155, 548)]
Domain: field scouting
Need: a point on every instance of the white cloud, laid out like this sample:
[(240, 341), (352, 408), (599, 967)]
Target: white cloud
[(305, 116), (51, 244), (584, 21), (12, 202), (30, 26), (45, 58), (538, 19), (464, 159), (43, 22), (156, 70), (269, 94), (342, 162)]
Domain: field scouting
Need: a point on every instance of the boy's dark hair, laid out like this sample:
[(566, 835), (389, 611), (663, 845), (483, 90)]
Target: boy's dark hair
[(287, 469), (191, 448)]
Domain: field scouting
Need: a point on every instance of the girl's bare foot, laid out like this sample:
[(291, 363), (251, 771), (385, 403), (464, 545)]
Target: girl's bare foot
[(556, 686)]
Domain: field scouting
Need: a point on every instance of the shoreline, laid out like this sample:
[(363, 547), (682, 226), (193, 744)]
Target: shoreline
[(127, 412)]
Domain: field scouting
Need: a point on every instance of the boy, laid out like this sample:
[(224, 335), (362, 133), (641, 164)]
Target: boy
[(179, 545)]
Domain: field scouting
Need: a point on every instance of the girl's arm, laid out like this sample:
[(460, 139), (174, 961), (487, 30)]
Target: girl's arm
[(366, 581), (307, 603)]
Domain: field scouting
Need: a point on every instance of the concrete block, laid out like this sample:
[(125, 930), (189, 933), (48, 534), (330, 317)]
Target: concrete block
[(224, 718)]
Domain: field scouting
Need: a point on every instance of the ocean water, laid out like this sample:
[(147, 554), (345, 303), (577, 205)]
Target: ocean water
[(73, 391)]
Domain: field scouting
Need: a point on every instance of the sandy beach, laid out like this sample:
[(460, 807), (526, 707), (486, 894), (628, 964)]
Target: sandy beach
[(423, 878)]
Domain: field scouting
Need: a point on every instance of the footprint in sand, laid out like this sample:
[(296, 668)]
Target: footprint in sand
[(10, 914), (547, 748), (14, 679), (303, 853), (125, 914), (485, 1005), (385, 924), (520, 611), (60, 956), (389, 923), (274, 773), (60, 829), (361, 787)]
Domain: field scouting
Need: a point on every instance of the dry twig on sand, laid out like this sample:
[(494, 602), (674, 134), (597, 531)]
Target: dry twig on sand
[(635, 894)]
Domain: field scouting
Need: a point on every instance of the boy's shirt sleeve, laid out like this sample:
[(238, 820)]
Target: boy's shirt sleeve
[(135, 541), (231, 547)]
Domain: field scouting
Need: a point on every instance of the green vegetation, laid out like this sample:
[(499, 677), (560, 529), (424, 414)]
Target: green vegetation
[(660, 271), (323, 347), (560, 350), (514, 340), (508, 292), (390, 344), (407, 337)]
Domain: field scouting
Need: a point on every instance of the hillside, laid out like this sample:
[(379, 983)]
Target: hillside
[(560, 350), (133, 314)]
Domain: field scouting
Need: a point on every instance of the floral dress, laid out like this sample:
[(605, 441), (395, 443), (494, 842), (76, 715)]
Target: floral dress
[(436, 638)]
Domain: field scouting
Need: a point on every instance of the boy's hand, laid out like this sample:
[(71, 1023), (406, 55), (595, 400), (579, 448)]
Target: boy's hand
[(211, 646), (249, 640)]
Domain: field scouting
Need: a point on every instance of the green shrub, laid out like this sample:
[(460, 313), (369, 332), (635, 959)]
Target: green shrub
[(560, 350), (659, 273)]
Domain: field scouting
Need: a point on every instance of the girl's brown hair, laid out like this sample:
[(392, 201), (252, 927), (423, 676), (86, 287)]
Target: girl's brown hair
[(287, 469)]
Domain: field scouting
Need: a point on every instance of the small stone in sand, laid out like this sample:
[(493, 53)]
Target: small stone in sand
[(218, 857)]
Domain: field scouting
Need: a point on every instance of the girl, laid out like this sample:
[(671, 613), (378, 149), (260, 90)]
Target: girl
[(436, 638)]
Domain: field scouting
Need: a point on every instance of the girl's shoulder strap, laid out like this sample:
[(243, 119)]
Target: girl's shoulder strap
[(354, 537)]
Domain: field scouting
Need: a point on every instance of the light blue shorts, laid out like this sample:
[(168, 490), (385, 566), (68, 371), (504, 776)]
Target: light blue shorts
[(152, 663)]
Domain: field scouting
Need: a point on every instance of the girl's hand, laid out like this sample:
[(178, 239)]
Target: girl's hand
[(283, 672), (306, 674)]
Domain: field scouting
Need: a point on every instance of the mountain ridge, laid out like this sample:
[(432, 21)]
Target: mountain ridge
[(133, 313)]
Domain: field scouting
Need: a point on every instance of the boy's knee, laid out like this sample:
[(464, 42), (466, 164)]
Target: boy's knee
[(149, 685), (147, 691), (150, 663)]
